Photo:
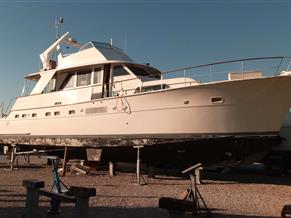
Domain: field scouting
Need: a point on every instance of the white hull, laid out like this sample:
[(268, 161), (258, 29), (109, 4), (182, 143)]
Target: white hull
[(252, 107)]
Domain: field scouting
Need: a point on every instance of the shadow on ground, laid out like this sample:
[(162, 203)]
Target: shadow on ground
[(246, 177), (104, 212), (241, 174)]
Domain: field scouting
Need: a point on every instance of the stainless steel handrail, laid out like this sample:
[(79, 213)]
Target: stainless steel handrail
[(226, 62), (241, 61)]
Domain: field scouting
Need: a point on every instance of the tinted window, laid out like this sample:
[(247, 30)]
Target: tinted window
[(151, 88), (84, 78), (119, 71), (97, 75), (145, 73), (69, 81)]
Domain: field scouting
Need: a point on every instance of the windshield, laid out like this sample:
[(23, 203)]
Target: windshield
[(145, 73)]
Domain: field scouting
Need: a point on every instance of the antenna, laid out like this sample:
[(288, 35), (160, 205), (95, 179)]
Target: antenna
[(57, 25)]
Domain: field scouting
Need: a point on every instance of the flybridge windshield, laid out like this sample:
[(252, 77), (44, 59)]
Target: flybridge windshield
[(108, 51)]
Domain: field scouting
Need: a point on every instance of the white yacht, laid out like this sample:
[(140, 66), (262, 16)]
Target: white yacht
[(98, 97)]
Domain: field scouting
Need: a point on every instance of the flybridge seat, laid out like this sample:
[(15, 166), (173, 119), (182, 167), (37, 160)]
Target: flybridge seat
[(244, 75), (52, 64)]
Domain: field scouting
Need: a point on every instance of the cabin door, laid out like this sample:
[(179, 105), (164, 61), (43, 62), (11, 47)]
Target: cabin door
[(106, 81), (97, 83)]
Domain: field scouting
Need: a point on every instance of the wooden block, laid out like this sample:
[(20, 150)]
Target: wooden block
[(80, 169)]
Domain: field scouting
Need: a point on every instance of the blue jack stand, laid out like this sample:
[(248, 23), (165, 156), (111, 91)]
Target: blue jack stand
[(57, 181), (55, 202)]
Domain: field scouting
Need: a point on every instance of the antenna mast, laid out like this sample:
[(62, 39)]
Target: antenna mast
[(57, 25)]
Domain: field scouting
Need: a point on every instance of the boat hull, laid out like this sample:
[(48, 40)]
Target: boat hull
[(252, 107), (247, 107), (181, 151)]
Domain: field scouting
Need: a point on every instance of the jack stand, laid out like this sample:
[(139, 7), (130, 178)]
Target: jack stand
[(193, 193), (26, 159), (57, 181), (138, 160), (55, 203), (13, 157)]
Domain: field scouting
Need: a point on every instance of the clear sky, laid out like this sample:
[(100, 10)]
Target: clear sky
[(167, 34)]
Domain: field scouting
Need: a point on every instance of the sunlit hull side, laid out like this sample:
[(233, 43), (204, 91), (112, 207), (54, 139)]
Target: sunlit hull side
[(254, 107)]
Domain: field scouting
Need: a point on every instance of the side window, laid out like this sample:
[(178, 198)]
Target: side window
[(97, 79), (51, 86), (119, 71), (69, 81), (84, 77)]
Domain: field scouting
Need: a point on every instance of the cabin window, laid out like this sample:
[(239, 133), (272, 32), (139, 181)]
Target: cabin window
[(151, 88), (145, 73), (57, 113), (34, 115), (84, 78), (71, 112), (47, 114), (17, 116), (51, 86), (69, 81), (119, 71), (24, 115), (29, 86), (97, 79)]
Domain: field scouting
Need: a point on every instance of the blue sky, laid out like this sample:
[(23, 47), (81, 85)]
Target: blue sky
[(166, 34)]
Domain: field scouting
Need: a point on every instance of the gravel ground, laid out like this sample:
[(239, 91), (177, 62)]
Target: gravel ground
[(228, 195)]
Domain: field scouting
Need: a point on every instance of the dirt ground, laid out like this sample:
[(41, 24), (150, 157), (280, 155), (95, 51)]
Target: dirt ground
[(232, 194)]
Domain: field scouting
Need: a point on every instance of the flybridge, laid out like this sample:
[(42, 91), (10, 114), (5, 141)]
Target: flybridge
[(91, 52)]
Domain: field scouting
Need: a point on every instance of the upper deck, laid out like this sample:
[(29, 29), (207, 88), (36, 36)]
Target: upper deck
[(90, 53)]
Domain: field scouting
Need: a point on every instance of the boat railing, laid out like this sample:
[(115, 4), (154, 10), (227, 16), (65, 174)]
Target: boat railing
[(204, 73), (6, 111), (216, 71)]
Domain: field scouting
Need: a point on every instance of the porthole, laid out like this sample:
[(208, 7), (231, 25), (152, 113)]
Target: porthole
[(57, 113), (47, 114), (17, 116), (24, 116), (217, 100), (34, 115), (71, 112)]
